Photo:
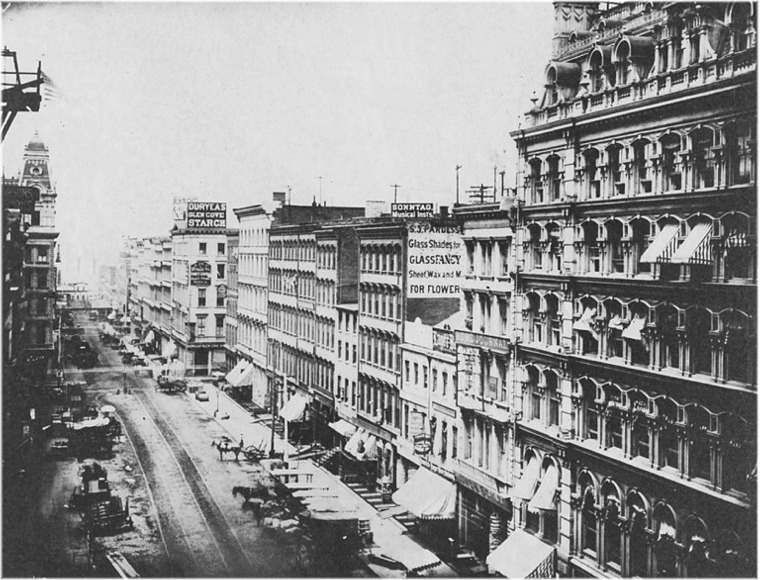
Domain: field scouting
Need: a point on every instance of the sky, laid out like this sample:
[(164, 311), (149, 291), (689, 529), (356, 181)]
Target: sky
[(232, 101)]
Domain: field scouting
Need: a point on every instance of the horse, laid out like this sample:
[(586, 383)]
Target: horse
[(258, 494), (225, 446)]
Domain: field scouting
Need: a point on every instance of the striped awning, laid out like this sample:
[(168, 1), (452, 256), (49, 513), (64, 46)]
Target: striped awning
[(695, 249), (546, 496), (736, 239), (633, 330), (586, 321), (294, 409), (526, 486), (661, 245), (243, 377), (343, 427), (237, 370), (522, 555), (428, 496)]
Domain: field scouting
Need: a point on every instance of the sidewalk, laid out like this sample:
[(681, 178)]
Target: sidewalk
[(389, 536)]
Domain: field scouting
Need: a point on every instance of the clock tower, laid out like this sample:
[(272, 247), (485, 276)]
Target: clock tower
[(36, 174)]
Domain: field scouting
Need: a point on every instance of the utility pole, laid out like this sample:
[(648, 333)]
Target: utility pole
[(395, 192), (478, 192), (285, 420), (457, 170), (494, 183), (320, 190), (502, 182)]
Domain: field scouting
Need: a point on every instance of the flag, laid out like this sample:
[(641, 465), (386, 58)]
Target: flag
[(50, 91)]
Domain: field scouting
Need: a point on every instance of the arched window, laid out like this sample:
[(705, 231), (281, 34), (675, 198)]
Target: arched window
[(614, 328), (615, 174), (698, 326), (588, 518), (638, 547), (743, 30), (554, 247), (640, 170), (615, 262), (636, 347), (614, 418), (665, 548), (587, 338), (667, 326), (641, 426), (703, 141), (738, 449), (623, 63), (596, 72), (740, 141), (534, 394), (591, 254), (534, 254), (590, 169), (671, 166), (590, 411), (700, 457), (696, 542), (553, 178), (553, 321), (536, 184), (668, 433), (641, 230), (553, 396), (738, 347), (612, 532), (738, 250)]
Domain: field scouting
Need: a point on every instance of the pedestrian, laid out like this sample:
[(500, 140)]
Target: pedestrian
[(241, 441)]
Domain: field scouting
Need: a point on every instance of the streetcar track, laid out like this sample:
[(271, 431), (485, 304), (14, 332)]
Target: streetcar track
[(181, 471), (200, 490)]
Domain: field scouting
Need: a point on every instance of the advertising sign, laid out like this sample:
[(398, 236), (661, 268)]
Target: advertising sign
[(205, 215), (197, 279), (435, 259), (416, 423), (412, 210), (200, 267), (20, 198)]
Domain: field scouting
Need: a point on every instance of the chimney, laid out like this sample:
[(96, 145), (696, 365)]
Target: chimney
[(571, 17), (444, 209)]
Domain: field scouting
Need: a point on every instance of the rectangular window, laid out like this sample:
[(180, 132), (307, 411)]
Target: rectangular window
[(220, 271), (201, 326), (219, 325), (592, 424), (641, 444), (416, 374), (444, 382), (424, 377), (554, 406), (219, 298), (435, 380), (42, 280), (202, 248), (201, 297), (454, 436), (220, 249), (535, 408)]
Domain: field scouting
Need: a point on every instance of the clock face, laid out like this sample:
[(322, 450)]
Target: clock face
[(36, 170)]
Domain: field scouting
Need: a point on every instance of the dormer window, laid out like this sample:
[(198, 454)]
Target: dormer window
[(595, 72)]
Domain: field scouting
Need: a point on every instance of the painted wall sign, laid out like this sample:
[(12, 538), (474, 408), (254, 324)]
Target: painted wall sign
[(435, 259), (206, 215), (412, 210)]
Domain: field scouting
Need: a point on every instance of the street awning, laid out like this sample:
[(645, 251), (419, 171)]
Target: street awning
[(428, 496), (525, 488), (633, 330), (736, 239), (696, 247), (367, 448), (585, 322), (294, 409), (244, 377), (149, 337), (112, 316), (236, 370), (545, 498), (343, 427), (659, 248), (615, 323), (522, 555), (414, 557), (170, 349)]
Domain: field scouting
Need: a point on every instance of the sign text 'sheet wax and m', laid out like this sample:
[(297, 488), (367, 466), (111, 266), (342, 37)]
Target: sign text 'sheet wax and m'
[(434, 254)]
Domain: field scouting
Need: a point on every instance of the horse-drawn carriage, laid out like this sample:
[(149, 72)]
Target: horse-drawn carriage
[(167, 384), (224, 445)]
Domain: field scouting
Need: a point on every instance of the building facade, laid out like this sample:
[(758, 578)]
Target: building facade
[(199, 286), (635, 400), (252, 311)]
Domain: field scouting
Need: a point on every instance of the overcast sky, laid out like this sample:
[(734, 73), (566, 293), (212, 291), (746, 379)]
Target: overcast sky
[(229, 102)]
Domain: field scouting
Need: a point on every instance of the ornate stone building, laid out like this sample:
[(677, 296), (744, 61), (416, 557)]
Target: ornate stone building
[(636, 293)]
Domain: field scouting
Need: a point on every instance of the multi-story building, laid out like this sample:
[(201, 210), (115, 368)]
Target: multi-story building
[(231, 314), (635, 422), (485, 374), (302, 315), (199, 287), (251, 345), (40, 275)]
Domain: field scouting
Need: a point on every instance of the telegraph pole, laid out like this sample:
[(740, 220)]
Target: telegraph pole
[(395, 192), (457, 170)]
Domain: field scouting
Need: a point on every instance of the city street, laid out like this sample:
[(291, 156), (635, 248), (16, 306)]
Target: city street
[(203, 527)]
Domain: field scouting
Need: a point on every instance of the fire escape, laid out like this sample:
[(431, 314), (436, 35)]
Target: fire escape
[(21, 90)]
